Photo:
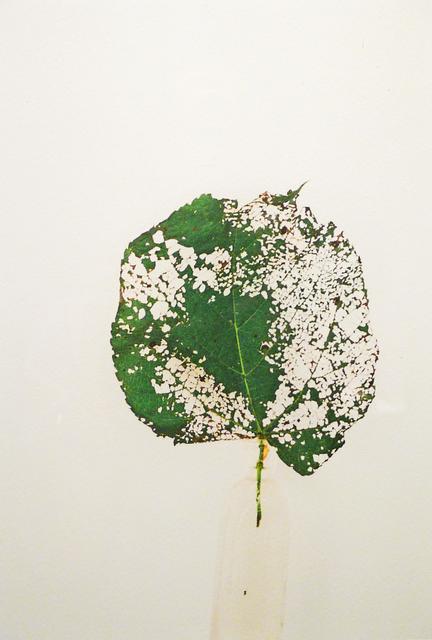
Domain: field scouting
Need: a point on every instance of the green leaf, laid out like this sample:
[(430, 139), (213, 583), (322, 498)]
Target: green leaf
[(246, 322)]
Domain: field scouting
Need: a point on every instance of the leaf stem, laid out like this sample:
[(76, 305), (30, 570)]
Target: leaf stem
[(263, 450)]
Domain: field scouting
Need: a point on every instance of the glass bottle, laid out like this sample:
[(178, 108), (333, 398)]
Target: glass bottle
[(252, 564)]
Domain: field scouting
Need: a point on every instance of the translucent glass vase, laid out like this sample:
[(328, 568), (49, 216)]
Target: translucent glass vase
[(252, 566)]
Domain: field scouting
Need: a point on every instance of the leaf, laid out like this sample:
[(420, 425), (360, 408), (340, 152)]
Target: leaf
[(246, 322)]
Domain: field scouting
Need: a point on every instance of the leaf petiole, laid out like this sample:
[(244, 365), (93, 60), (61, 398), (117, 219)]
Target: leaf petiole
[(263, 451)]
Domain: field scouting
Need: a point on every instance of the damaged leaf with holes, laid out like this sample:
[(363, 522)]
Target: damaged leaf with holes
[(246, 322)]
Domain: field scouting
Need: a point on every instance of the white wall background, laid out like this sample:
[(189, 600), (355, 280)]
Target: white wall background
[(112, 114)]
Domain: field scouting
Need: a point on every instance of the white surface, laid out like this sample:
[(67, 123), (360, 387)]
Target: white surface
[(112, 114)]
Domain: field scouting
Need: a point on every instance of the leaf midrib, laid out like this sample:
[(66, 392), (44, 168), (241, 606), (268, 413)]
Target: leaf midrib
[(237, 336)]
